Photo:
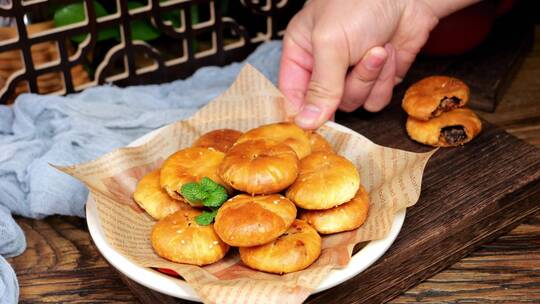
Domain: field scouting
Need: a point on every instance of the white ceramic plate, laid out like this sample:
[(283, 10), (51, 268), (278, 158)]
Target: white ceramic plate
[(177, 288)]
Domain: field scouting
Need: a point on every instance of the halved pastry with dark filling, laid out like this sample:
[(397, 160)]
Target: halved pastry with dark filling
[(434, 95), (451, 129)]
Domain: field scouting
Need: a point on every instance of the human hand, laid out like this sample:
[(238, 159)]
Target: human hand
[(333, 54)]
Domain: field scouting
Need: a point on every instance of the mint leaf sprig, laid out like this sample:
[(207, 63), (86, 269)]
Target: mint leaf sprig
[(208, 193)]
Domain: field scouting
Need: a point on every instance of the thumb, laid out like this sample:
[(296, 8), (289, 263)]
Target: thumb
[(327, 82)]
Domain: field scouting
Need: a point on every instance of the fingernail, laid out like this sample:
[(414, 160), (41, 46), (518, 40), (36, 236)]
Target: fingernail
[(308, 116), (374, 60)]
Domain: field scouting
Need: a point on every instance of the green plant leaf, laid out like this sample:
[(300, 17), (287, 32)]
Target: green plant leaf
[(142, 29), (215, 199), (73, 13), (209, 185), (193, 192), (206, 218)]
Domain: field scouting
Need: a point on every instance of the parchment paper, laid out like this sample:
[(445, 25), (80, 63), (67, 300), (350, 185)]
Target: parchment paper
[(392, 177)]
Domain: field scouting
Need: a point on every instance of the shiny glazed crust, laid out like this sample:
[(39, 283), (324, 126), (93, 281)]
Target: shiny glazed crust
[(259, 166), (283, 132), (325, 180), (345, 217), (295, 250), (153, 199), (221, 140), (180, 239), (422, 99), (190, 165), (318, 142), (254, 220), (429, 132)]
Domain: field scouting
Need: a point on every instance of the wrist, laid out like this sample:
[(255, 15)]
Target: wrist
[(443, 8)]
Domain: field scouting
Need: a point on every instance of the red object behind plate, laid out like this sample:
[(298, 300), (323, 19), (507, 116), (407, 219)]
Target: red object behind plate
[(168, 272), (465, 29)]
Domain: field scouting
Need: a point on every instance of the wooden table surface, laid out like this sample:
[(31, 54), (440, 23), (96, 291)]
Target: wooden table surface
[(61, 264)]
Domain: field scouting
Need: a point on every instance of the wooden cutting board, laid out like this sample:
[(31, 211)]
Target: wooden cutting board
[(470, 195)]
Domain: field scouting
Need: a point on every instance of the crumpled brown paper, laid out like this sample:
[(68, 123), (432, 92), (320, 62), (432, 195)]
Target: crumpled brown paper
[(392, 177)]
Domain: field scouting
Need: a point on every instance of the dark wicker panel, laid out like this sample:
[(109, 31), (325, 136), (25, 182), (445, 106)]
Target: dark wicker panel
[(44, 59)]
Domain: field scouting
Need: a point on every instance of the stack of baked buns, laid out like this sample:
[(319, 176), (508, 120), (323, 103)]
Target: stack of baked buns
[(281, 187), (437, 113)]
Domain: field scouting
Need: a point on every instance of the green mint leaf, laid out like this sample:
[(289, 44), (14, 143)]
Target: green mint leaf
[(215, 199), (206, 218), (193, 192), (209, 185)]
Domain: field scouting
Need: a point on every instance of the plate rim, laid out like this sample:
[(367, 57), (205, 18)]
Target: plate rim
[(171, 286)]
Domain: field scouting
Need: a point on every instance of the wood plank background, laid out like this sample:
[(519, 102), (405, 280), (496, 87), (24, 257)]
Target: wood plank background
[(62, 265)]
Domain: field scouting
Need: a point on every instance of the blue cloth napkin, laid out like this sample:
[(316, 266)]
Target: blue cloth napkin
[(39, 130)]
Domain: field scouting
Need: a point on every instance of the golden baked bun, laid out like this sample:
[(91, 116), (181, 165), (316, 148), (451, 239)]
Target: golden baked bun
[(325, 180), (180, 239), (344, 217), (295, 250), (432, 96), (190, 165), (254, 220), (221, 140), (318, 142), (284, 132), (259, 166), (153, 199), (451, 129)]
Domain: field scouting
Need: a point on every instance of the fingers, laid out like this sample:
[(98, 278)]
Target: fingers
[(294, 74), (327, 82), (361, 79), (381, 93), (404, 60)]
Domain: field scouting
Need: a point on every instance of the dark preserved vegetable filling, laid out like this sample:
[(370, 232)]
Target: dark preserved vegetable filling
[(446, 104), (454, 135)]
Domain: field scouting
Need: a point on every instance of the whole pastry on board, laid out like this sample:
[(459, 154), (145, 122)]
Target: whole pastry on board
[(450, 129), (344, 217), (434, 95), (190, 165), (295, 250), (246, 220), (153, 199), (180, 239), (325, 180)]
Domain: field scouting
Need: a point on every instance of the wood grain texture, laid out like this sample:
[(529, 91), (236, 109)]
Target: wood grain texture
[(504, 270), (62, 265)]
